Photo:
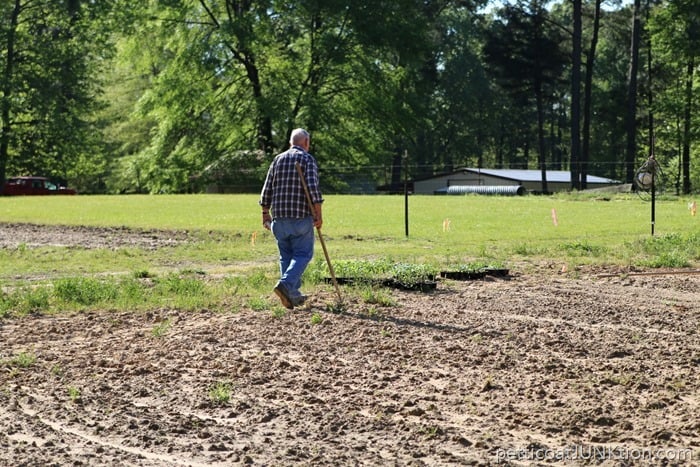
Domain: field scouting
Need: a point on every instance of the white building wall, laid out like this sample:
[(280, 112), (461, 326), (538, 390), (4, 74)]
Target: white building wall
[(428, 187)]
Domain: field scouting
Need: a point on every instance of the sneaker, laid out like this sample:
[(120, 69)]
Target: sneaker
[(283, 296)]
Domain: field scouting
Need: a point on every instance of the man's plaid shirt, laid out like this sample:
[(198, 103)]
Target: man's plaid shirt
[(283, 191)]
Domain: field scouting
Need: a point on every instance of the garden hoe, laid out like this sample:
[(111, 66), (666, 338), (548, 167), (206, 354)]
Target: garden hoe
[(320, 236)]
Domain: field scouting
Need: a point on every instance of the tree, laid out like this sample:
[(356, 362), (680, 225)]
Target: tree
[(631, 114), (230, 73), (577, 174), (51, 50), (675, 36), (523, 49), (9, 35), (587, 97)]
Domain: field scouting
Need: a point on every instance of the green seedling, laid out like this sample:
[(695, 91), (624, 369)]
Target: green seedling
[(73, 393), (316, 318), (23, 360), (220, 393)]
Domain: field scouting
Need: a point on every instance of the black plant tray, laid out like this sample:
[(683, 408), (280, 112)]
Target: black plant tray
[(473, 275), (422, 286)]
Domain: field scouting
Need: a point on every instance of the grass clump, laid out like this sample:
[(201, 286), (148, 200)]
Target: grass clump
[(84, 291), (220, 393), (670, 251), (258, 304), (24, 300), (74, 394), (278, 312), (376, 296), (21, 360), (316, 318), (184, 291), (177, 284)]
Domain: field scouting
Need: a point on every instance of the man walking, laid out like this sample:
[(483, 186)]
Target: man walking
[(286, 212)]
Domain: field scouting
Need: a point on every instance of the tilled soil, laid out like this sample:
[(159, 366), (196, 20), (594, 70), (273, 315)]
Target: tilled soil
[(568, 369), (34, 235)]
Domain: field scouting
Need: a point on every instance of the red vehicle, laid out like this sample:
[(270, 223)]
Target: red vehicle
[(24, 186)]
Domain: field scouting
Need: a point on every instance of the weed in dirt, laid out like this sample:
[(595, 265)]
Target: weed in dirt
[(74, 394), (161, 329), (22, 360), (677, 385), (671, 259), (431, 432), (142, 274), (278, 312), (220, 393), (57, 371), (258, 304), (622, 379), (375, 296), (374, 313), (336, 307), (316, 318)]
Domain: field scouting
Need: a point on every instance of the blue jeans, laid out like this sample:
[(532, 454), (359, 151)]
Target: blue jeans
[(295, 240)]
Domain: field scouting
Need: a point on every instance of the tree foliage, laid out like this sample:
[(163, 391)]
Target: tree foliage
[(168, 96), (51, 53)]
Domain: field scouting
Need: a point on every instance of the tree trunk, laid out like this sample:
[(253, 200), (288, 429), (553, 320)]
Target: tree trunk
[(576, 99), (264, 123), (588, 90), (687, 124), (631, 115), (650, 95), (542, 150)]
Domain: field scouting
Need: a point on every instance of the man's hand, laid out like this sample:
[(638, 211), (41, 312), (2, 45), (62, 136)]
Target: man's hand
[(318, 217), (267, 220)]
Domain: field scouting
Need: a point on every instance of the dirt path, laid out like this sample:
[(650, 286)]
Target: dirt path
[(33, 235), (602, 371)]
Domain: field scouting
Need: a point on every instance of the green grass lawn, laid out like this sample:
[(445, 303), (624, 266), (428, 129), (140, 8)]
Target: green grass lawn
[(229, 242), (376, 225)]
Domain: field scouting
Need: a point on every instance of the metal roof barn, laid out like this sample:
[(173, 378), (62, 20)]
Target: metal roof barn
[(530, 180)]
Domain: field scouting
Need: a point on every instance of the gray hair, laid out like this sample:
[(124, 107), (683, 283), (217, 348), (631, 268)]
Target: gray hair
[(298, 135)]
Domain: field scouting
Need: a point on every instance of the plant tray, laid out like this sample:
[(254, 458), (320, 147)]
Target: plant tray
[(422, 286), (473, 275)]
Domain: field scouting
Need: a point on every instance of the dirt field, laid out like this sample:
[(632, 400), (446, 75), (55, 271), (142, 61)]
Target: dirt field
[(538, 368)]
